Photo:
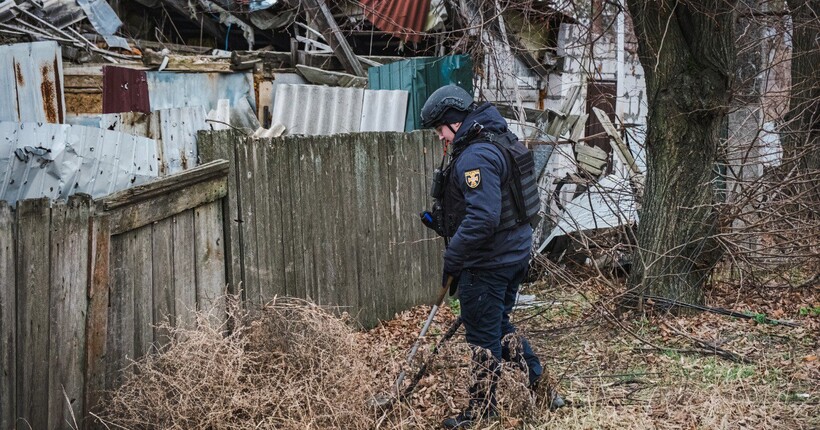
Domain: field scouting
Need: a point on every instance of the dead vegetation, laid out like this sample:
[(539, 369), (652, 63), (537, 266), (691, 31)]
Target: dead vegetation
[(296, 365), (291, 365)]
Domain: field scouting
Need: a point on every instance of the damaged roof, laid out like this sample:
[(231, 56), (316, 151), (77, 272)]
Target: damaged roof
[(403, 18)]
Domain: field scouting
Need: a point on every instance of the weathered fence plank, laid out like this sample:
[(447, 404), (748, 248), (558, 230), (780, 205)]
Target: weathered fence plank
[(8, 318), (140, 269), (120, 335), (322, 237), (33, 266), (347, 252), (184, 269), (435, 248), (163, 198), (333, 221), (307, 216), (368, 176), (68, 307), (277, 173), (210, 261), (97, 319), (403, 210), (162, 273), (221, 146), (385, 243), (294, 195), (249, 224), (264, 237)]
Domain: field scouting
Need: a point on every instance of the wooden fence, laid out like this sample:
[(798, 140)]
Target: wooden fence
[(331, 218), (85, 284)]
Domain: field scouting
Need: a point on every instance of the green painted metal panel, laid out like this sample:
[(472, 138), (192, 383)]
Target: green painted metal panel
[(420, 77)]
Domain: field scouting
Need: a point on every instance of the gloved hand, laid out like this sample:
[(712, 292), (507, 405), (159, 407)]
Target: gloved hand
[(433, 221), (427, 220), (453, 284)]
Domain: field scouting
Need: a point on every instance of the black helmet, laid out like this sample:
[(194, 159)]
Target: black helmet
[(447, 105)]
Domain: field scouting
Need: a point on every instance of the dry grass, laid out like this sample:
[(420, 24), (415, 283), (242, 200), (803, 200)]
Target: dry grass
[(295, 365), (290, 366)]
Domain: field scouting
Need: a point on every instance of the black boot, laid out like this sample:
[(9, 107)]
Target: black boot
[(542, 389), (467, 418), (482, 407)]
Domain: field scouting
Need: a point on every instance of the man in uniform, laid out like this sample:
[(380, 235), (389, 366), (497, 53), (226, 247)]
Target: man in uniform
[(487, 221)]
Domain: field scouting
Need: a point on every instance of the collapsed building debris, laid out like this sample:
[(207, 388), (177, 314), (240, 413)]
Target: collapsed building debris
[(247, 82)]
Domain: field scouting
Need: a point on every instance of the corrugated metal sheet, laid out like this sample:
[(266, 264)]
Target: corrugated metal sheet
[(57, 160), (31, 83), (607, 204), (384, 110), (320, 110), (420, 77), (174, 90), (125, 90), (60, 13), (174, 130), (101, 15), (134, 90), (403, 18)]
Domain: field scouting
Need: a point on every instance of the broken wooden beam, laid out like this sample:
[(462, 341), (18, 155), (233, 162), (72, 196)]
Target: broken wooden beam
[(321, 15)]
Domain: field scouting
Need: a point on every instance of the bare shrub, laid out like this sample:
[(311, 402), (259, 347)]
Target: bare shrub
[(291, 365)]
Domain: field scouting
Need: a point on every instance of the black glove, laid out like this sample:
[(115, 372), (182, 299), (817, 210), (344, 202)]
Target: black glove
[(428, 220), (453, 285), (434, 219)]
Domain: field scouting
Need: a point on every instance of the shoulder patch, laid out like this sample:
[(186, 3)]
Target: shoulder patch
[(473, 177)]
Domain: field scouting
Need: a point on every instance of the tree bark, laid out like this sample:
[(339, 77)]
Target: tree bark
[(801, 143), (687, 52)]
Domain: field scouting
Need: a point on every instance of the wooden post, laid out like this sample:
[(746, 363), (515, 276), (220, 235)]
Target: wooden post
[(68, 304), (99, 248), (8, 318), (33, 231)]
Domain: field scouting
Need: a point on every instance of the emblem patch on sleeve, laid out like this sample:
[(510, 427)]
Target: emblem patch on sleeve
[(473, 178)]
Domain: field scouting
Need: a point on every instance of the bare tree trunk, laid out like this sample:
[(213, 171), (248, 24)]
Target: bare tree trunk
[(687, 52), (802, 140)]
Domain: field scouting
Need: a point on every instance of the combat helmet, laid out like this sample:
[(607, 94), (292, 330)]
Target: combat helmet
[(447, 105)]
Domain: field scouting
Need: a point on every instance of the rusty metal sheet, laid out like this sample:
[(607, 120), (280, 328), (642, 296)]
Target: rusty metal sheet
[(57, 160), (31, 83), (125, 90), (403, 18)]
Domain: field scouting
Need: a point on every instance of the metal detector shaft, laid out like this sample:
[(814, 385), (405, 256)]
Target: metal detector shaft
[(439, 302), (423, 369)]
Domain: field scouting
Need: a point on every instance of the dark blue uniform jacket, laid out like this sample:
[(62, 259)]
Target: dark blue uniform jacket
[(476, 179)]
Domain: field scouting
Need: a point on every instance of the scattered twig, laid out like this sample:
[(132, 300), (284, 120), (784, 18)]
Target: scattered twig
[(712, 348), (719, 311)]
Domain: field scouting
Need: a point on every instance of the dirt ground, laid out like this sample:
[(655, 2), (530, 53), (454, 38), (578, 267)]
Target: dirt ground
[(648, 371), (295, 366)]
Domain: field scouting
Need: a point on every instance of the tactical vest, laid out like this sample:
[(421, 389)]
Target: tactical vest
[(520, 201)]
